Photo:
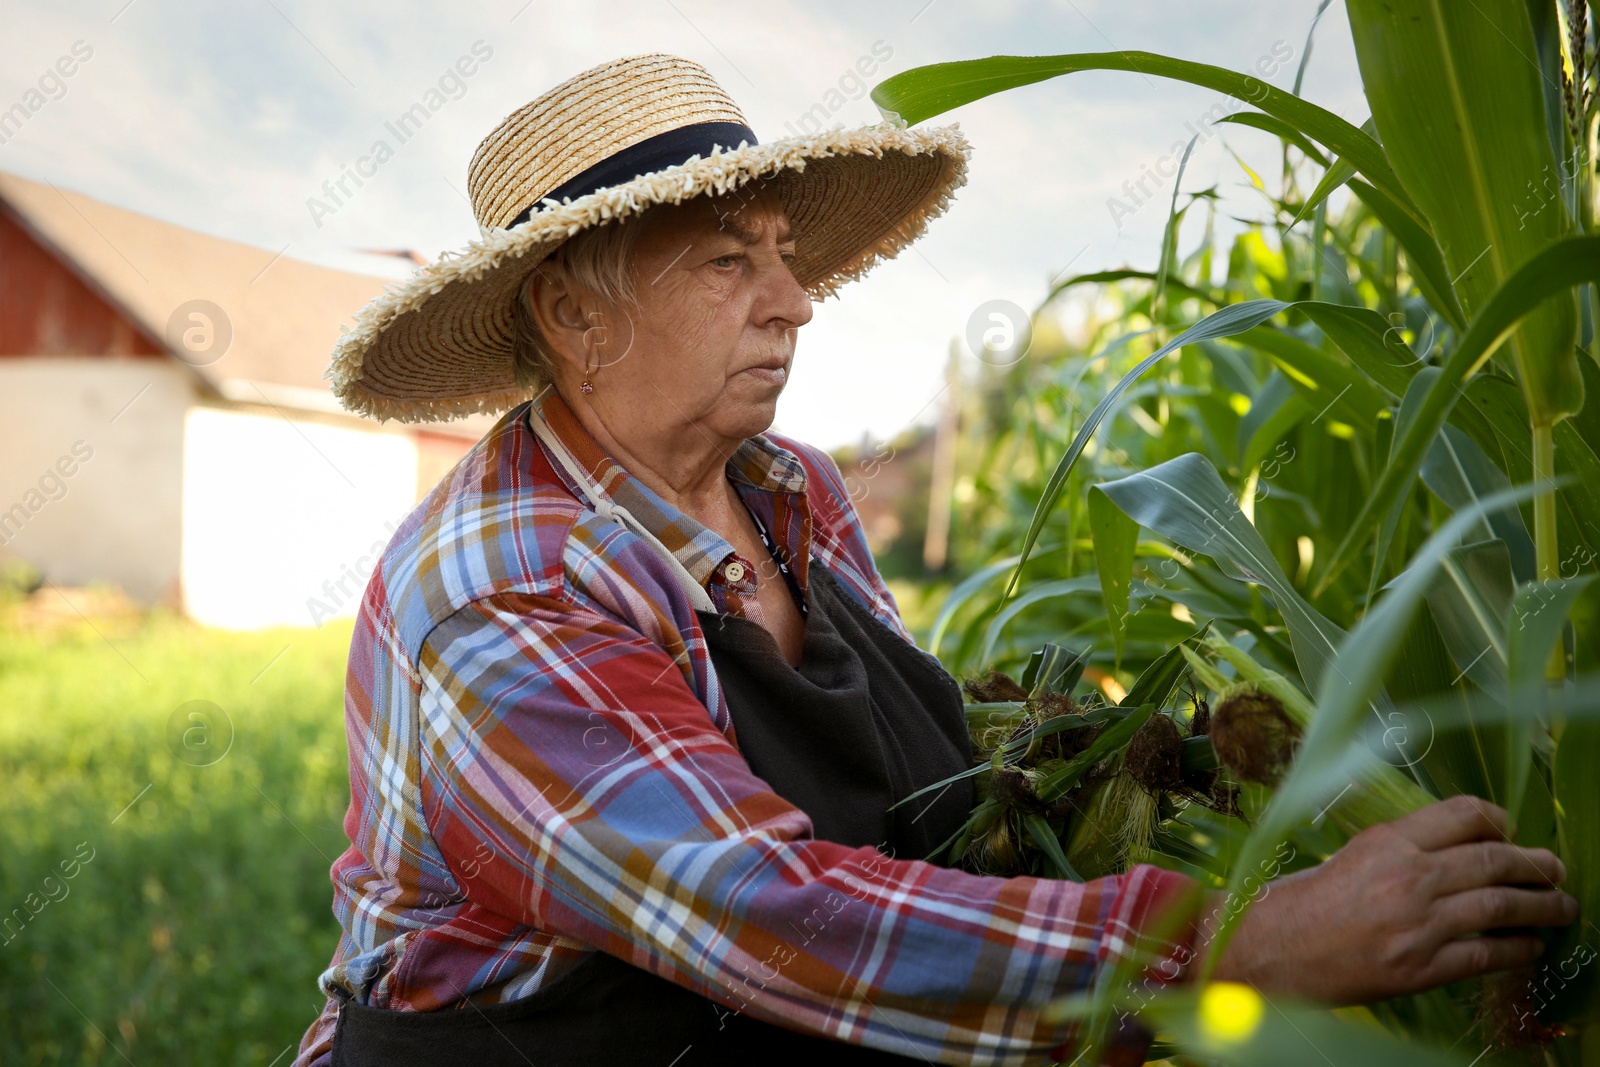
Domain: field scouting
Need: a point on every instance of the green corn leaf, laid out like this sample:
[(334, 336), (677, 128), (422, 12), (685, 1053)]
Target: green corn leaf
[(1185, 501), (962, 594), (1371, 343), (1329, 384), (1159, 679), (1422, 249), (1547, 34), (1017, 745), (1114, 536), (1494, 415), (923, 92), (993, 711), (1235, 318), (1567, 263), (1205, 674), (1577, 797), (1295, 703), (1169, 239), (1282, 130), (943, 783), (1048, 843), (1105, 277), (1578, 461), (1235, 1025), (1305, 51), (1053, 669), (1459, 472), (1087, 584), (1337, 175), (1209, 1024), (1554, 270), (1470, 602), (1461, 113), (981, 817), (1459, 760), (1343, 696), (1538, 614), (1276, 408), (1425, 379)]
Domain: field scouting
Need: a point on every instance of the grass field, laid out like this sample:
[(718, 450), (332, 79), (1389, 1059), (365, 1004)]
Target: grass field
[(171, 802), (164, 864)]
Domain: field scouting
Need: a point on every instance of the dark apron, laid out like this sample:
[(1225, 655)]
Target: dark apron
[(866, 719)]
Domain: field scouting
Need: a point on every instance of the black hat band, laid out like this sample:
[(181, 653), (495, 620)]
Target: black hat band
[(649, 155)]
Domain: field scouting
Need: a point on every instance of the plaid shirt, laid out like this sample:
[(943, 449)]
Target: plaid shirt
[(542, 764)]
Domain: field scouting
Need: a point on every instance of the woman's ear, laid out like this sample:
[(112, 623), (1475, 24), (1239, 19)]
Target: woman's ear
[(560, 312)]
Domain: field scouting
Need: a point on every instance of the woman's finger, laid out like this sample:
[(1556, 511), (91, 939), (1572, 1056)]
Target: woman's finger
[(1453, 822), (1473, 956), (1493, 907), (1481, 863)]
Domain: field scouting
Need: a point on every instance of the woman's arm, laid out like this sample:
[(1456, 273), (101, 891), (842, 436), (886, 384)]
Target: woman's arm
[(575, 783)]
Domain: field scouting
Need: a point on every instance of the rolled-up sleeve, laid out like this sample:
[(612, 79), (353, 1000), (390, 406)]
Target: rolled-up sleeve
[(576, 784)]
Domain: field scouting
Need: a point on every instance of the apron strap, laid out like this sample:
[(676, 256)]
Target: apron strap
[(607, 508)]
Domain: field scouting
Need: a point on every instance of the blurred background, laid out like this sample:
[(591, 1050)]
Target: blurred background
[(193, 199)]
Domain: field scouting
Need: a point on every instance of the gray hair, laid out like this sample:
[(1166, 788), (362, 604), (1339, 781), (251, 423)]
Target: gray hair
[(599, 259)]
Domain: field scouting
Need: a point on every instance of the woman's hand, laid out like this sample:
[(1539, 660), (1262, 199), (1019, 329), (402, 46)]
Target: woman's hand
[(1393, 910)]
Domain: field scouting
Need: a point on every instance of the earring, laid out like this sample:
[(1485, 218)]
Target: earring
[(587, 386)]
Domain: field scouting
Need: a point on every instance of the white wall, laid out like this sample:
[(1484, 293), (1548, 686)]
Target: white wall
[(282, 520), (90, 453), (114, 471)]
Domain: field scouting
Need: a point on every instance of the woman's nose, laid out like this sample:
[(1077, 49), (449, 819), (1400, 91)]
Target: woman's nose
[(783, 297)]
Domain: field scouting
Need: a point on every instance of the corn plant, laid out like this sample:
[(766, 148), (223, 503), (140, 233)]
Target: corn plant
[(1323, 542)]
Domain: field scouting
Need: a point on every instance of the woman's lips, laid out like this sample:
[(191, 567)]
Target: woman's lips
[(777, 374)]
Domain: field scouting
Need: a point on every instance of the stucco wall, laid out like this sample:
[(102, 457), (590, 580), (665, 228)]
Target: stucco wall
[(118, 471), (90, 454), (283, 517)]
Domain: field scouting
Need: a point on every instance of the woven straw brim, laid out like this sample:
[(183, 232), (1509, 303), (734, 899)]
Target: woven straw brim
[(439, 345)]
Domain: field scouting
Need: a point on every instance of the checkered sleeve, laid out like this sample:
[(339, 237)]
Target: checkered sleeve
[(575, 783)]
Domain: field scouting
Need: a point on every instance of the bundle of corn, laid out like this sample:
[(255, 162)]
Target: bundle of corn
[(1024, 739), (1162, 768), (1003, 712), (1071, 788)]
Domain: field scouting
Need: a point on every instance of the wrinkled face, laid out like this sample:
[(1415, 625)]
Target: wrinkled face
[(710, 345)]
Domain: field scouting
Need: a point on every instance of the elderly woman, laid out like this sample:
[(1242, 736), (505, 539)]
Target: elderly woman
[(629, 706)]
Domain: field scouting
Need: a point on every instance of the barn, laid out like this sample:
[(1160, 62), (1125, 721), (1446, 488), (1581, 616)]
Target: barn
[(165, 427)]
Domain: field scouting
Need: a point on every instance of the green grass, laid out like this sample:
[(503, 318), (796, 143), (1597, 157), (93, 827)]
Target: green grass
[(196, 931)]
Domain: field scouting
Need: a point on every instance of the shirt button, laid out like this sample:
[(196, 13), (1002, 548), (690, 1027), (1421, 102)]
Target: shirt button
[(734, 571)]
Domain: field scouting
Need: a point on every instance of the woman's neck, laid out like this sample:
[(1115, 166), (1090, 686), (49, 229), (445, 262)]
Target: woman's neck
[(683, 464)]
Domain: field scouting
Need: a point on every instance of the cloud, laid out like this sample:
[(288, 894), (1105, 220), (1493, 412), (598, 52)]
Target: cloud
[(229, 118)]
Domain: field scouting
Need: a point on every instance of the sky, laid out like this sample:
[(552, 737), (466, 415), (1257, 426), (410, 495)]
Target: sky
[(228, 118)]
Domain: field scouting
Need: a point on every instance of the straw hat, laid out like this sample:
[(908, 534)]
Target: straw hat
[(607, 144)]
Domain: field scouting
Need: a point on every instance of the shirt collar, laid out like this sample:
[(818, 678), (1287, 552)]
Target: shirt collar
[(757, 464)]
